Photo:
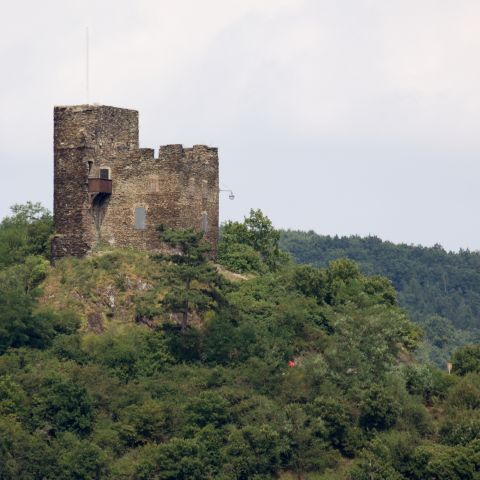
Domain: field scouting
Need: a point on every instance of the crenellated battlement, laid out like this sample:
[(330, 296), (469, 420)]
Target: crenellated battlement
[(171, 152), (96, 145), (147, 153), (179, 152)]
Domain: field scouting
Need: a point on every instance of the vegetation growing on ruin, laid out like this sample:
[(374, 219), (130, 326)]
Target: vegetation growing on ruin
[(289, 371)]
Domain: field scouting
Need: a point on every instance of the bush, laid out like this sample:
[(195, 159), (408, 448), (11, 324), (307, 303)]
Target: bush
[(240, 258), (81, 460), (433, 462), (415, 417), (251, 245), (428, 382), (460, 427), (128, 351), (208, 408), (252, 452), (337, 422), (373, 468), (27, 232), (19, 325), (145, 422), (466, 359), (24, 455), (62, 404), (378, 410), (465, 394), (12, 396), (175, 460)]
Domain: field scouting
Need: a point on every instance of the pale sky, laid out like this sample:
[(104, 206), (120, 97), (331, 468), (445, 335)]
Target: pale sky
[(339, 116)]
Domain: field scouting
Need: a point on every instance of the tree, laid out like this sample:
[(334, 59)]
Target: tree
[(176, 460), (81, 460), (207, 408), (252, 452), (19, 324), (242, 245), (432, 462), (439, 289), (466, 359), (24, 455), (21, 321), (193, 278), (379, 409), (63, 404), (26, 232), (336, 422), (372, 468)]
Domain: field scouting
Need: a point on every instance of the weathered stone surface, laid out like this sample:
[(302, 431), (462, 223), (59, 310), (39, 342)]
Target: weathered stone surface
[(179, 189)]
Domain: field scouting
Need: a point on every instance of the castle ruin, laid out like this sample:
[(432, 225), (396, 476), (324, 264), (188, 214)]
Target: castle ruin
[(108, 190)]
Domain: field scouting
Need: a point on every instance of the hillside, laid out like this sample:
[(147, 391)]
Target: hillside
[(439, 289), (126, 365)]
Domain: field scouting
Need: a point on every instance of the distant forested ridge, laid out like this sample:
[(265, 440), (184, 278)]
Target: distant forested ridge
[(439, 289)]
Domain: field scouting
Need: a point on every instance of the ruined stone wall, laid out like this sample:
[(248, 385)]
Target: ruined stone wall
[(179, 189)]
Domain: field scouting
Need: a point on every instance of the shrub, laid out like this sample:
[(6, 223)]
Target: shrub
[(379, 409), (373, 468), (465, 394), (466, 359), (208, 408), (433, 462), (337, 422), (81, 460), (415, 417), (63, 404), (240, 258), (460, 427), (428, 382)]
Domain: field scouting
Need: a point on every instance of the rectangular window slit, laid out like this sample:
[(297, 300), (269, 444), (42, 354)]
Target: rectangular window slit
[(204, 222), (140, 218)]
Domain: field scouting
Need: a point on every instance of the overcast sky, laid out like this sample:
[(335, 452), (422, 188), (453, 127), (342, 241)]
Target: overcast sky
[(339, 116)]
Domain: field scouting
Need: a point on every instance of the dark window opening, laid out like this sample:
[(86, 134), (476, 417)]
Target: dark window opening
[(140, 218), (104, 174), (90, 165)]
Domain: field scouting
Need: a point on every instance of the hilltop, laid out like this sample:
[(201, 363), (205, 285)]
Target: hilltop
[(129, 365)]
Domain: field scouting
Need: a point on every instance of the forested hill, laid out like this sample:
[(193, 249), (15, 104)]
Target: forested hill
[(130, 365), (440, 289)]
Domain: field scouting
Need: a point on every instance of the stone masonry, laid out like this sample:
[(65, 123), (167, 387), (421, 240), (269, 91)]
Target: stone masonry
[(108, 190)]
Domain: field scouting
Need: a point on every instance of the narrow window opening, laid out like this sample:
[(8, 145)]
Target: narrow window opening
[(140, 218), (204, 222), (90, 165), (104, 173)]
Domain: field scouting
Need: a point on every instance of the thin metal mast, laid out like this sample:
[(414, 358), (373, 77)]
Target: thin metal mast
[(87, 71)]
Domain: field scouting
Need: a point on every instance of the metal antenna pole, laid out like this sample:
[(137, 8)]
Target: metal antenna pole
[(87, 66)]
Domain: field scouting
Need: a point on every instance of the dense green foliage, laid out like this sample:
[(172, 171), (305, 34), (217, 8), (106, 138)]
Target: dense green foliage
[(24, 253), (294, 373), (25, 233), (439, 289), (192, 278), (251, 246)]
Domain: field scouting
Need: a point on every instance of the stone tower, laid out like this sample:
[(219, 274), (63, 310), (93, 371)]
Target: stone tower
[(107, 189)]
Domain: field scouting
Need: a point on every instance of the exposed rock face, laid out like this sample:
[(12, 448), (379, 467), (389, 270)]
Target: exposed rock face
[(107, 189)]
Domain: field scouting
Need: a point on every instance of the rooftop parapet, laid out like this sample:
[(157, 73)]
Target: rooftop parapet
[(178, 152), (80, 126)]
